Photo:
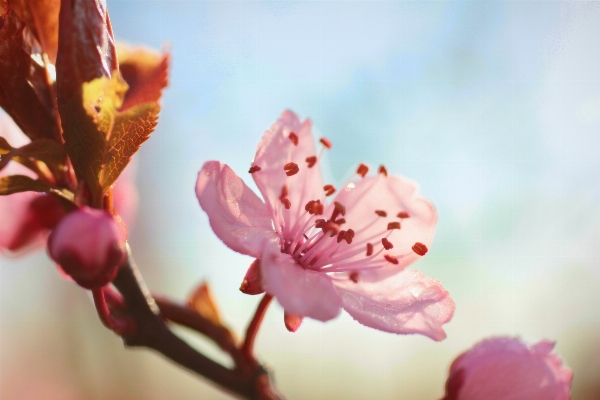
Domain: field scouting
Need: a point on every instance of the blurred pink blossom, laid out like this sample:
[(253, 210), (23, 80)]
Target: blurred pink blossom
[(89, 245), (507, 369), (26, 217), (317, 257)]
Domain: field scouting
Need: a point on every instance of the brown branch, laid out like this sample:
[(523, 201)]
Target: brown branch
[(153, 333)]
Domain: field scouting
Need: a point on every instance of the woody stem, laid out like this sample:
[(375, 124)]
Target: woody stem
[(252, 331)]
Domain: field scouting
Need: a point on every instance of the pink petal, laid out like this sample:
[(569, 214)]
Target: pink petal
[(237, 216), (505, 368), (300, 291), (408, 302), (19, 231), (275, 150), (391, 194)]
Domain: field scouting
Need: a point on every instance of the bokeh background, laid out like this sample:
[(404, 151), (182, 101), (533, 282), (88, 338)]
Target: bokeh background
[(493, 107)]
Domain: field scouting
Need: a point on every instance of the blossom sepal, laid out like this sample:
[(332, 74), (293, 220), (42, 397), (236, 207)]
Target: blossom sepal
[(89, 246), (252, 283)]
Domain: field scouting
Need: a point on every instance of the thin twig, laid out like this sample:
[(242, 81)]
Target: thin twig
[(153, 333), (248, 346)]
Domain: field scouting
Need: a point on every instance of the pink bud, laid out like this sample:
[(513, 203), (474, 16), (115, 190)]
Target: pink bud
[(88, 245), (506, 368)]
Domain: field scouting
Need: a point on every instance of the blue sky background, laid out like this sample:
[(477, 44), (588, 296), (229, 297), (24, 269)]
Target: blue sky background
[(493, 107)]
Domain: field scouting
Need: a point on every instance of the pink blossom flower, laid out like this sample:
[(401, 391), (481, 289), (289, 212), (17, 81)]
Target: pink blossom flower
[(26, 217), (89, 245), (507, 369), (317, 257)]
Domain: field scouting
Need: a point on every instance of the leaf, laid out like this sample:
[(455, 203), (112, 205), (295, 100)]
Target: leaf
[(122, 132), (202, 300), (45, 150), (21, 183), (99, 139), (146, 73), (41, 17), (25, 91)]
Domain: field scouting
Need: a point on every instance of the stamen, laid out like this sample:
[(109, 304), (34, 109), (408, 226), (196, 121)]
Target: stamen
[(340, 221), (331, 227), (381, 213), (393, 225), (253, 169), (284, 192), (383, 170), (294, 138), (291, 169), (420, 249), (308, 206), (329, 190), (312, 160), (387, 244), (354, 277), (325, 142), (286, 203), (341, 236), (391, 259), (362, 170), (337, 210), (403, 214), (319, 223), (317, 208), (369, 249), (349, 236)]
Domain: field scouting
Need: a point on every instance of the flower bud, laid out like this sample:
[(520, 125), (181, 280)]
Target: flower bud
[(89, 245)]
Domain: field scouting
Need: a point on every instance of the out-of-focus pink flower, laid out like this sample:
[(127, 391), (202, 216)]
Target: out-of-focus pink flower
[(317, 257), (125, 194), (507, 369), (88, 245), (26, 217)]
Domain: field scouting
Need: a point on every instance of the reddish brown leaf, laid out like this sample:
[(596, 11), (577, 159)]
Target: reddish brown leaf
[(25, 86), (146, 73), (203, 301), (99, 139), (252, 283), (41, 17), (21, 183), (45, 150)]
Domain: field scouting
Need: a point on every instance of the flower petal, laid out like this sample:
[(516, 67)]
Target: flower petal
[(237, 216), (300, 291), (274, 151), (408, 302), (505, 368), (390, 195)]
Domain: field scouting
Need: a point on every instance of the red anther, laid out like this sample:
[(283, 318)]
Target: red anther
[(381, 213), (369, 249), (362, 170), (320, 223), (391, 259), (284, 192), (419, 248), (253, 169), (317, 208), (393, 225), (291, 169), (331, 227), (354, 277), (308, 206), (340, 221), (286, 203), (329, 190), (383, 170), (341, 236), (325, 142), (403, 214), (312, 160), (337, 210), (386, 244), (349, 236), (294, 138)]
